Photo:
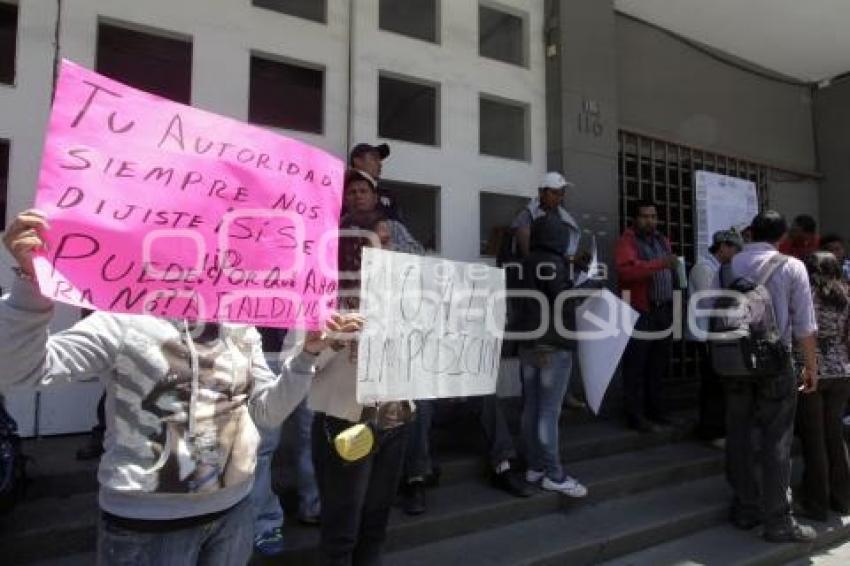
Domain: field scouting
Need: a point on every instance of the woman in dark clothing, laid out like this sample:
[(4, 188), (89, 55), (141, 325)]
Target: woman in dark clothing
[(826, 480), (357, 491)]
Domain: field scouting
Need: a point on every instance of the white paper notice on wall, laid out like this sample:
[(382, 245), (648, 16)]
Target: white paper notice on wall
[(433, 328), (722, 202)]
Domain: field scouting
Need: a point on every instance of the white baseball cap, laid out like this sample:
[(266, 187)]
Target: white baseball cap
[(554, 180)]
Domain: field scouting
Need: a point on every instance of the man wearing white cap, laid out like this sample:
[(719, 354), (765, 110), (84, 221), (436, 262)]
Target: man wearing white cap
[(550, 196)]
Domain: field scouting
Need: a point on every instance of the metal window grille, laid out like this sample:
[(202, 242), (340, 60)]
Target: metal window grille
[(651, 168)]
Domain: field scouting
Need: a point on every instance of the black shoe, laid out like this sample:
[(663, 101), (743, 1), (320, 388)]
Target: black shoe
[(413, 498), (662, 420), (793, 532), (309, 520), (642, 424), (512, 483), (91, 451), (433, 479), (808, 511), (744, 521)]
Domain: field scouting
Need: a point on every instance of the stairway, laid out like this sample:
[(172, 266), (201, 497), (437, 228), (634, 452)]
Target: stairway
[(655, 499)]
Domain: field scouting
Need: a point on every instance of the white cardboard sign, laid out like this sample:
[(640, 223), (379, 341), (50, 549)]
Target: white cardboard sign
[(433, 327)]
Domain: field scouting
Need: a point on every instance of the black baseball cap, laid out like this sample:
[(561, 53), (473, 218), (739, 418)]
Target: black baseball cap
[(383, 150)]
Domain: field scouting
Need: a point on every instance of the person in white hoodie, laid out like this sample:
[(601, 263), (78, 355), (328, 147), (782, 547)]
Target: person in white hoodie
[(182, 400)]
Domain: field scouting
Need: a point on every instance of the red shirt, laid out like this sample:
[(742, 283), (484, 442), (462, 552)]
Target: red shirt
[(634, 273), (799, 250)]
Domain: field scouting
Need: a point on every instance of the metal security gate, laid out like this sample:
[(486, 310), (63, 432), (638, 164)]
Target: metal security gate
[(651, 168)]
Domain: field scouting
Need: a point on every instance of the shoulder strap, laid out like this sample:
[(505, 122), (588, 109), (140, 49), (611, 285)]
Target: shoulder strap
[(769, 268), (725, 275)]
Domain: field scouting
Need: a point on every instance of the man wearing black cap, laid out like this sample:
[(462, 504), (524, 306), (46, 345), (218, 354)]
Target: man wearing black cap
[(368, 160)]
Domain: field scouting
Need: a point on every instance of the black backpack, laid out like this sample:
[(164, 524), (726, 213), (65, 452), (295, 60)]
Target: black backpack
[(747, 343), (13, 476)]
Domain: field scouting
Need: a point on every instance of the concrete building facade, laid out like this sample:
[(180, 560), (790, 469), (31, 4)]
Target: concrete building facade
[(476, 98), (355, 55), (832, 127)]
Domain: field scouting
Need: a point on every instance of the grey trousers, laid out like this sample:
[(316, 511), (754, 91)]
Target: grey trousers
[(760, 477)]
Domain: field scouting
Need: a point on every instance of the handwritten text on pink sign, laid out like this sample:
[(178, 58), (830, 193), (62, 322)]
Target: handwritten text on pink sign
[(156, 207)]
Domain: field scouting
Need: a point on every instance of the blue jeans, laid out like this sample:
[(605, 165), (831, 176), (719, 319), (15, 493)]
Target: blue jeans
[(298, 460), (298, 463), (545, 379), (268, 513), (226, 540)]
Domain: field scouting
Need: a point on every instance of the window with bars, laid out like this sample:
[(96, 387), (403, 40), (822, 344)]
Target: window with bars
[(4, 180), (502, 35), (503, 129), (496, 214), (8, 42), (661, 171), (413, 18), (408, 110), (315, 10), (286, 95), (150, 62), (418, 207)]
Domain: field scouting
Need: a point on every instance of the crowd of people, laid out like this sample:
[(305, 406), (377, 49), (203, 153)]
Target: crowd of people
[(193, 413)]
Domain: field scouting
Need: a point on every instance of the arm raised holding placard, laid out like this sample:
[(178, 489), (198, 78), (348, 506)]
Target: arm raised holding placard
[(275, 397), (86, 349), (181, 397)]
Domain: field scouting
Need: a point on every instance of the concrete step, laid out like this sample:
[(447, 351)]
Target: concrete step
[(49, 527), (583, 535), (469, 507), (59, 515), (727, 546), (55, 472), (835, 556), (53, 468), (88, 559), (594, 439)]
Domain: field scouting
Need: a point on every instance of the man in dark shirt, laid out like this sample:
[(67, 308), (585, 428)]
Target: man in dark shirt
[(368, 160)]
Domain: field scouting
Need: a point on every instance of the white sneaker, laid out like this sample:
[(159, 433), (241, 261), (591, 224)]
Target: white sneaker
[(534, 476), (569, 486)]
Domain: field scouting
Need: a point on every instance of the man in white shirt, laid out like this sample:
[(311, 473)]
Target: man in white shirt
[(703, 277), (553, 188), (760, 475)]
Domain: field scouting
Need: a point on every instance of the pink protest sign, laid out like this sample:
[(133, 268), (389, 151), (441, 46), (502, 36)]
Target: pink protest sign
[(156, 207)]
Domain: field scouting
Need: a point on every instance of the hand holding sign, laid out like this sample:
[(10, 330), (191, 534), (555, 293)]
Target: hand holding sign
[(25, 237), (339, 328), (159, 208)]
